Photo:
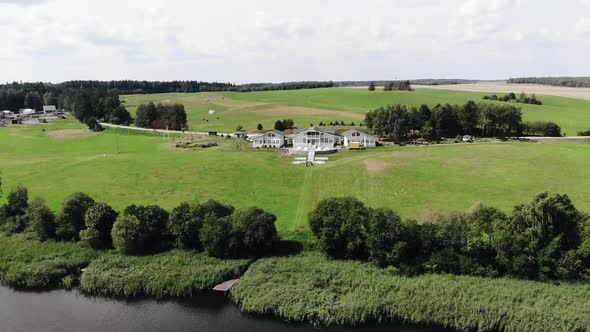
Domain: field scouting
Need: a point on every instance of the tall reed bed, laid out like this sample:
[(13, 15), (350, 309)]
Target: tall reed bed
[(309, 287), (27, 263), (170, 274)]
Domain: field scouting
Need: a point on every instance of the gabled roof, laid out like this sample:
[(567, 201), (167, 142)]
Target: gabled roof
[(350, 131), (49, 108), (331, 131)]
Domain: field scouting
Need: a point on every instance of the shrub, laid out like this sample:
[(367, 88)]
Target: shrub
[(186, 221), (93, 124), (256, 231), (340, 225), (13, 217), (584, 133), (217, 237), (126, 235), (99, 220), (384, 237), (70, 221), (153, 222), (42, 220)]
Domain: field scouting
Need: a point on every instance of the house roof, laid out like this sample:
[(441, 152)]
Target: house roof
[(331, 131), (49, 108), (350, 131)]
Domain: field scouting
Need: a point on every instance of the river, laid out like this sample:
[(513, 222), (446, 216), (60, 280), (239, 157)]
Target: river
[(61, 310)]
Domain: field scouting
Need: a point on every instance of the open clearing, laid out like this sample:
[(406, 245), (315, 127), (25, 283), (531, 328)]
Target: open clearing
[(69, 133), (415, 181), (307, 107), (539, 89)]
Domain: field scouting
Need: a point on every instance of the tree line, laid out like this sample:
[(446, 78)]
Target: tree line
[(573, 82), (215, 228), (545, 239), (395, 85), (522, 98), (400, 123), (417, 81), (159, 116), (282, 86)]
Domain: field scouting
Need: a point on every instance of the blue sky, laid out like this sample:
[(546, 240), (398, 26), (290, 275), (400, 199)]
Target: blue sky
[(275, 41)]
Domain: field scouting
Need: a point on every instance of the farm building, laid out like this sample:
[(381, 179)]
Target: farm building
[(212, 112), (49, 109), (318, 139), (356, 136), (26, 111), (240, 134), (272, 139)]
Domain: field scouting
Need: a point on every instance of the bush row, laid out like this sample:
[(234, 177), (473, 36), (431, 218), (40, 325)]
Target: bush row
[(547, 238), (218, 229)]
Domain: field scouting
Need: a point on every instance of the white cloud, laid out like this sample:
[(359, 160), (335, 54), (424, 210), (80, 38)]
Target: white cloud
[(264, 40)]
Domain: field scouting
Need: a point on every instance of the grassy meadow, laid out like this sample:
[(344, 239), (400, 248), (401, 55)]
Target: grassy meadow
[(309, 287), (415, 181), (341, 104)]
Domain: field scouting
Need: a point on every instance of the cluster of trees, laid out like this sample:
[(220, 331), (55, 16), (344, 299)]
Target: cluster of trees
[(418, 81), (547, 238), (542, 128), (573, 82), (397, 85), (171, 117), (282, 86), (337, 123), (218, 229), (522, 98), (142, 87), (282, 125), (399, 123)]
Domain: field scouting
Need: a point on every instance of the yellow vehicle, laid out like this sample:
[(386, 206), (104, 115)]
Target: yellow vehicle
[(356, 146)]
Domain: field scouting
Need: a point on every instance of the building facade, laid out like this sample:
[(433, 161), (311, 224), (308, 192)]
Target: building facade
[(272, 139), (356, 136), (318, 139)]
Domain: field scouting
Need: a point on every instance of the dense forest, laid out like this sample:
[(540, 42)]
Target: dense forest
[(169, 117), (573, 82), (282, 86)]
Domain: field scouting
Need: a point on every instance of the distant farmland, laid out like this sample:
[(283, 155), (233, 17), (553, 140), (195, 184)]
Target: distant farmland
[(313, 106)]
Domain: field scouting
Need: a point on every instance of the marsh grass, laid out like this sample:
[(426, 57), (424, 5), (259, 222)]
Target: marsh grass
[(169, 274), (27, 263), (309, 287)]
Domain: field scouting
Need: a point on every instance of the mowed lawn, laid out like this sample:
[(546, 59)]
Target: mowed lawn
[(415, 181), (313, 106)]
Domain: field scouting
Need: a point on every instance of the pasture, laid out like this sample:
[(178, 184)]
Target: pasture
[(313, 106), (122, 168)]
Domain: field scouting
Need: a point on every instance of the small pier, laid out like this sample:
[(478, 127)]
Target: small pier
[(226, 285)]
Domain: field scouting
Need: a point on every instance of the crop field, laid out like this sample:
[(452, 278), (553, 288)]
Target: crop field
[(308, 107), (122, 168)]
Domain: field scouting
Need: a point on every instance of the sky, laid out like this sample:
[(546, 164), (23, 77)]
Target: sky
[(278, 41)]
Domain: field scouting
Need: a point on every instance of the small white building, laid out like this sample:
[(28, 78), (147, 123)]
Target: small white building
[(49, 109), (212, 112), (271, 139), (356, 136), (317, 139)]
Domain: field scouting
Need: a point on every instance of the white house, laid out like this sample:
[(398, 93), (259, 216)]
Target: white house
[(356, 136), (318, 139), (272, 139)]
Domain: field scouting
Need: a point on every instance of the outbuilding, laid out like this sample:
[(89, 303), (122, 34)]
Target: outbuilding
[(360, 139), (240, 134), (49, 109), (212, 112)]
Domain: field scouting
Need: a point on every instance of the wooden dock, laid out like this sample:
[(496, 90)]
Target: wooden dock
[(226, 285)]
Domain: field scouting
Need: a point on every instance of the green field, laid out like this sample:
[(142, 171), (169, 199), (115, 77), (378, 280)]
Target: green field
[(415, 181), (341, 104)]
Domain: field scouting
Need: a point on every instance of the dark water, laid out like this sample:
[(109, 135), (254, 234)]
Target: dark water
[(61, 310)]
